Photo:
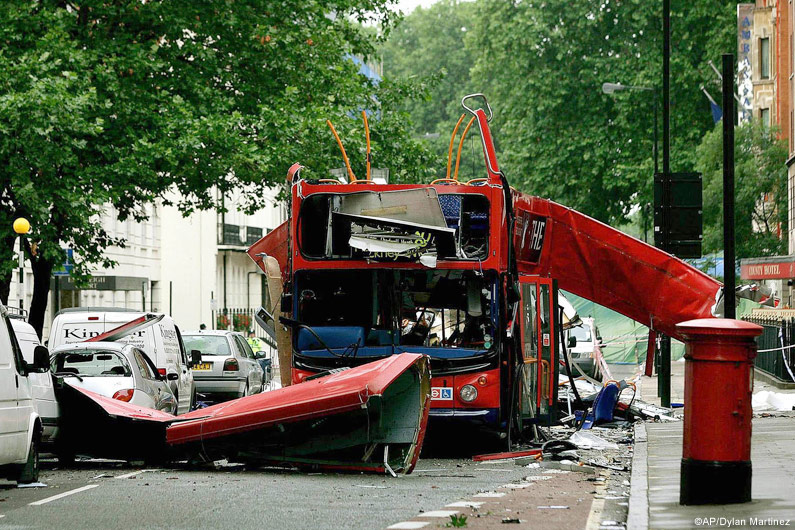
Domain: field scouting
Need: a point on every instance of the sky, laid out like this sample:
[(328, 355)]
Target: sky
[(407, 6)]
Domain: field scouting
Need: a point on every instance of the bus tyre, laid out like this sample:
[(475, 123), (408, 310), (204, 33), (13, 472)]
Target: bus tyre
[(29, 472)]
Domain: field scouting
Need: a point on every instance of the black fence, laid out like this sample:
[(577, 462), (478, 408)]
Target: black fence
[(242, 320), (777, 334)]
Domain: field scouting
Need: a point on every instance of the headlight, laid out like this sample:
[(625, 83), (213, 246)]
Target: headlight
[(468, 393)]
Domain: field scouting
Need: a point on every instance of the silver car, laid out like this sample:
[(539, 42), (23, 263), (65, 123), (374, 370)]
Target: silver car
[(116, 370), (228, 369)]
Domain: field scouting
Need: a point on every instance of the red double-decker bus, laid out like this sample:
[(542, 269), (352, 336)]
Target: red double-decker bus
[(460, 271)]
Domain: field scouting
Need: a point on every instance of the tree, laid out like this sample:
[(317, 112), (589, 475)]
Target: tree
[(543, 64), (120, 102), (426, 43), (760, 190), (429, 45)]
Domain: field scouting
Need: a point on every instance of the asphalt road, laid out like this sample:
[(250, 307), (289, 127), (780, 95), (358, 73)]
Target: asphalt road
[(108, 494), (115, 495)]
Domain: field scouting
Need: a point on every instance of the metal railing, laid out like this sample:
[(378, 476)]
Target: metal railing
[(241, 319), (776, 345)]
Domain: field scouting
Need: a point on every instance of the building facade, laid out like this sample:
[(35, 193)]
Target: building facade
[(192, 268)]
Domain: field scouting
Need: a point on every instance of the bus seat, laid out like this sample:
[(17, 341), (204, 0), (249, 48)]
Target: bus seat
[(451, 208)]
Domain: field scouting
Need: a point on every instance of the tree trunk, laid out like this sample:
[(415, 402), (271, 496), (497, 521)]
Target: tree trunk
[(5, 288), (5, 279), (42, 272)]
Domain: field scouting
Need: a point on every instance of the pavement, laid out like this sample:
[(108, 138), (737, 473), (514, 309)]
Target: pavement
[(654, 497)]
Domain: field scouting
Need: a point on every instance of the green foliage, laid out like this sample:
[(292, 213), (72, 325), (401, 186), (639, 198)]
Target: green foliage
[(123, 102), (429, 47), (760, 190), (427, 43), (457, 521), (542, 65)]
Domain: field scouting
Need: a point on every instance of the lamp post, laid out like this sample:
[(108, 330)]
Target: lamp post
[(21, 227), (610, 89)]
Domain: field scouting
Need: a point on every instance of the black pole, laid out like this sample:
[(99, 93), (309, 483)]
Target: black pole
[(728, 186), (656, 151), (664, 374), (666, 84)]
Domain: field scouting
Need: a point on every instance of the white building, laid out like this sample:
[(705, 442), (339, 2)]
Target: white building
[(189, 267)]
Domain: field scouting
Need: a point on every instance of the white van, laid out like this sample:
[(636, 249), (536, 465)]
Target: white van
[(20, 426), (161, 341), (41, 382)]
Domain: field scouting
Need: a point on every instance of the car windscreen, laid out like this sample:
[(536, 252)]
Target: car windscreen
[(582, 333), (207, 344), (91, 363)]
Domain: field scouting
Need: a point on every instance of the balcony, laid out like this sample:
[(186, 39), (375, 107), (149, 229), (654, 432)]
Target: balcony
[(238, 236)]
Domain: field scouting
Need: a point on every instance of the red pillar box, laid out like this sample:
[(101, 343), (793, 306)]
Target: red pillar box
[(719, 379)]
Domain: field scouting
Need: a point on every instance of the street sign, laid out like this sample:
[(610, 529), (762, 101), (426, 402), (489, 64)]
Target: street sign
[(678, 214), (68, 264)]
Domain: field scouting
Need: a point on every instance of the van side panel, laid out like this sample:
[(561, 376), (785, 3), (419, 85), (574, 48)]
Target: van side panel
[(13, 432)]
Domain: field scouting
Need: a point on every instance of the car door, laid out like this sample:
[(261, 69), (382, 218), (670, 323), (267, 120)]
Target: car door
[(185, 383), (253, 369), (149, 383), (16, 404)]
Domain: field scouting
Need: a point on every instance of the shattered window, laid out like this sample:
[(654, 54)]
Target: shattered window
[(404, 225), (91, 363)]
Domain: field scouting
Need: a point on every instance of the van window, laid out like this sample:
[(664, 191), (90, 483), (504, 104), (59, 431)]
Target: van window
[(582, 333), (182, 350), (18, 360)]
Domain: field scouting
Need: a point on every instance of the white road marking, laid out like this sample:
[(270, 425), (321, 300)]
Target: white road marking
[(464, 504), (517, 486), (438, 513), (408, 525), (132, 474), (62, 495), (490, 495)]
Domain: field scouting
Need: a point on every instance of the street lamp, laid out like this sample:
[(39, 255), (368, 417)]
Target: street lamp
[(21, 227)]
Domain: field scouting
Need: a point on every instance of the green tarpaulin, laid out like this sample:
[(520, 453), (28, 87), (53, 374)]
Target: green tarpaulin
[(624, 339)]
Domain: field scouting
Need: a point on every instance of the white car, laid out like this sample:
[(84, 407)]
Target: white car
[(41, 382), (228, 368), (161, 341), (116, 370), (20, 425)]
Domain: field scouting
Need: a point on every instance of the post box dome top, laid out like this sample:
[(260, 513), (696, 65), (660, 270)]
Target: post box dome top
[(719, 326)]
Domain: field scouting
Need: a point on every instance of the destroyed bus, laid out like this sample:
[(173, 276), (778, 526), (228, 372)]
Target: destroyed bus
[(459, 271)]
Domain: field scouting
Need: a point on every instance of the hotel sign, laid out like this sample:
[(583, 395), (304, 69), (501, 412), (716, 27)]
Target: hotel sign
[(768, 271)]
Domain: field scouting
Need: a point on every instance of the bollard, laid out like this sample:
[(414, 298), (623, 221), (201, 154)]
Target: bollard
[(719, 379)]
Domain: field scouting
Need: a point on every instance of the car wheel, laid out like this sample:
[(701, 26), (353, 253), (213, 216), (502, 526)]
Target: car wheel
[(245, 390), (30, 470)]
